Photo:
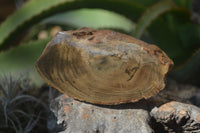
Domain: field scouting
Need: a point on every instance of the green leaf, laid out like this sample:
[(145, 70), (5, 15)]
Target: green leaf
[(146, 3), (93, 18), (184, 3), (189, 72), (174, 33), (150, 15), (22, 59), (36, 10)]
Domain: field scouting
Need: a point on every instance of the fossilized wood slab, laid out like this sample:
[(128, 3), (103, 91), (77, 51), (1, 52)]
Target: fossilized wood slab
[(103, 66)]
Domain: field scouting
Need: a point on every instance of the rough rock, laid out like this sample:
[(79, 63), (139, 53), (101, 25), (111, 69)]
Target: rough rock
[(157, 114), (80, 117), (175, 91), (178, 117)]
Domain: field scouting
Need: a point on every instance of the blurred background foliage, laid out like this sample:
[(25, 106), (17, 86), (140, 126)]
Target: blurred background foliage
[(27, 26)]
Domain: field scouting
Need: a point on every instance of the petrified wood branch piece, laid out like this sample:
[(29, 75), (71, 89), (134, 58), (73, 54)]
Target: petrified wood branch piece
[(103, 66)]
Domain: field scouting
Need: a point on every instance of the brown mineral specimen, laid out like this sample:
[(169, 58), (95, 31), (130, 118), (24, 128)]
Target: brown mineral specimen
[(103, 66)]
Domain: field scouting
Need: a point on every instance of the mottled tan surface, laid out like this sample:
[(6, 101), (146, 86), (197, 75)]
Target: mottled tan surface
[(103, 66), (178, 117)]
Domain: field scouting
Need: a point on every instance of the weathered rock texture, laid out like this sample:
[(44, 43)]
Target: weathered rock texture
[(158, 114), (177, 117), (79, 117)]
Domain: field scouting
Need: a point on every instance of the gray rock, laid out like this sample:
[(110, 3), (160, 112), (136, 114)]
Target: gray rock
[(178, 117), (157, 114), (80, 117)]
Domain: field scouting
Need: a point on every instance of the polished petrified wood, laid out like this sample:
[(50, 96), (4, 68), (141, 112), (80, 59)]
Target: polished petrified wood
[(103, 66)]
